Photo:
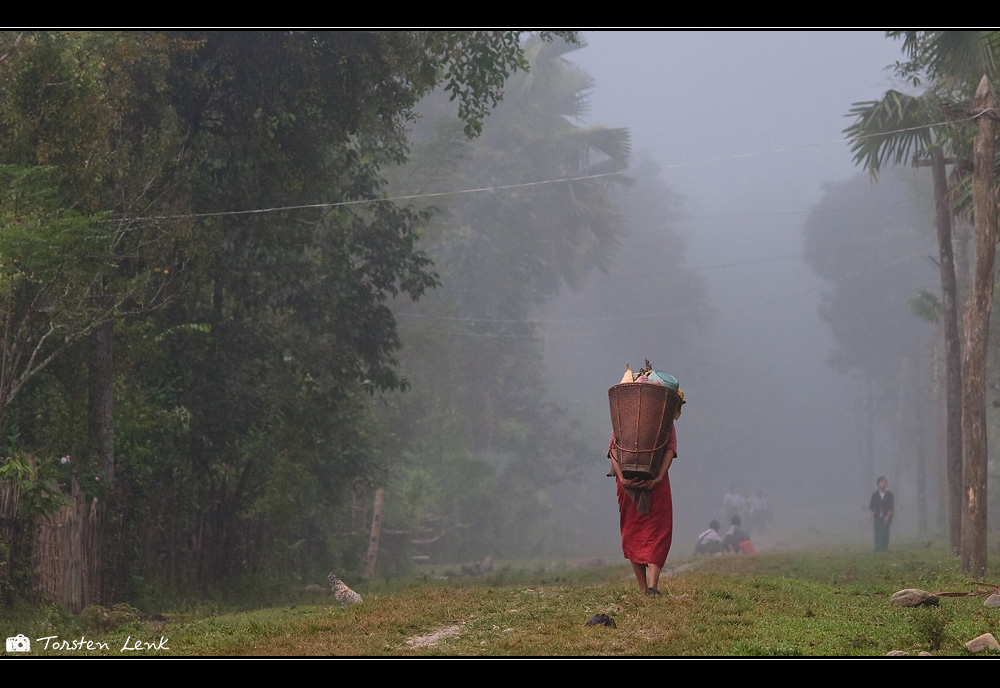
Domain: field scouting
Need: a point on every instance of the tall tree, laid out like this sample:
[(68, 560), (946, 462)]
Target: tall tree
[(228, 187), (896, 130), (957, 61), (977, 322), (75, 111), (952, 62)]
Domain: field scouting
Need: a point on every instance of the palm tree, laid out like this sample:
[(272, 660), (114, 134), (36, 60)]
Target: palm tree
[(954, 61), (897, 129)]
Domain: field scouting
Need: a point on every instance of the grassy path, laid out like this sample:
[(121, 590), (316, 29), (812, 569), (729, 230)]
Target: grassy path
[(799, 604)]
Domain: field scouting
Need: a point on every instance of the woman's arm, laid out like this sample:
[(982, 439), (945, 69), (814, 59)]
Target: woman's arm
[(668, 459), (615, 466)]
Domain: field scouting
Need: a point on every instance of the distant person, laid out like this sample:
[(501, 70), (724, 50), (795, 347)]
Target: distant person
[(880, 510), (760, 513), (709, 542), (737, 539), (732, 503)]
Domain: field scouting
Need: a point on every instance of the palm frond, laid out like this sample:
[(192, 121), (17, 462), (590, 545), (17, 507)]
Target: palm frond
[(615, 143), (891, 130), (965, 55), (949, 57)]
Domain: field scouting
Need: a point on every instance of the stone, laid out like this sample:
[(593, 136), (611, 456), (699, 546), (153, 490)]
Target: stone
[(984, 642), (913, 597), (897, 653), (602, 620), (992, 601)]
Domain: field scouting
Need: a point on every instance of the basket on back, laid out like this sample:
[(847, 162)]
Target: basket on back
[(641, 416)]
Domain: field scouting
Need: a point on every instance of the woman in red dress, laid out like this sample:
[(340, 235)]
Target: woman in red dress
[(646, 537)]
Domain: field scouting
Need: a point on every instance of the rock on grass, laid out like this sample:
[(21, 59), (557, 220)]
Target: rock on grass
[(984, 642), (913, 597)]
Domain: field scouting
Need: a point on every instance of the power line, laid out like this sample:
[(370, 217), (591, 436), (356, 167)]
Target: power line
[(389, 199), (503, 187)]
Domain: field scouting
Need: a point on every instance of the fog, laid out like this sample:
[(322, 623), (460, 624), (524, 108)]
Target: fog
[(746, 128)]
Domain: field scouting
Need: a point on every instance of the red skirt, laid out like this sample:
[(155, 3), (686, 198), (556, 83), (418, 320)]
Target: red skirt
[(646, 537)]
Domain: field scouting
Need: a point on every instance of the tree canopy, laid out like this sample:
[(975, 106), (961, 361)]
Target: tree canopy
[(214, 202)]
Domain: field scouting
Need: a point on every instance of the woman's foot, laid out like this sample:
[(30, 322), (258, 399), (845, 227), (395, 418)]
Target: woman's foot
[(651, 592)]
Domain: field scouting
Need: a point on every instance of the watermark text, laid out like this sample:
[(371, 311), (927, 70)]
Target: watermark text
[(54, 642)]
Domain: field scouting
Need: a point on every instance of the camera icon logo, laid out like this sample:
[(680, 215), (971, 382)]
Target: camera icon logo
[(19, 643)]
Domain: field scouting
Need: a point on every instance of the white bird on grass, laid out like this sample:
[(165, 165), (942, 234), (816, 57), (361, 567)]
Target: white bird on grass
[(341, 592)]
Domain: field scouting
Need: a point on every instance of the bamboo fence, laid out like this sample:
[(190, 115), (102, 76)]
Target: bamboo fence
[(9, 537), (65, 559)]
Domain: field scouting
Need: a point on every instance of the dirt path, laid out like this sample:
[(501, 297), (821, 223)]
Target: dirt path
[(432, 639)]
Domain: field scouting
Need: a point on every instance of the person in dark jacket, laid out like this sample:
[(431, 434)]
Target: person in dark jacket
[(880, 510)]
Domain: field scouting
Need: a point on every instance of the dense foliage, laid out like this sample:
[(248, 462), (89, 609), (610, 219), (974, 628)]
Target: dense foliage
[(196, 282)]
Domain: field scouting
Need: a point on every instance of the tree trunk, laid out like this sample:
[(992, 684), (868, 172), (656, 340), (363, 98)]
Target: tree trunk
[(376, 533), (921, 431), (101, 429), (977, 320), (939, 408), (952, 347)]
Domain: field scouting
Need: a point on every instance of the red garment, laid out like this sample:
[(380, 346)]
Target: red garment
[(646, 537)]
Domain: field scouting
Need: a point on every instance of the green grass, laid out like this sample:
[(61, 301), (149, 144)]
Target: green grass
[(833, 602)]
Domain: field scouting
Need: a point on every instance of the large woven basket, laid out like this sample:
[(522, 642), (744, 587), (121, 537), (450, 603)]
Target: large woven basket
[(641, 415)]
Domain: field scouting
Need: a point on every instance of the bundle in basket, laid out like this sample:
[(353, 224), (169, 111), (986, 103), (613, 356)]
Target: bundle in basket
[(642, 415)]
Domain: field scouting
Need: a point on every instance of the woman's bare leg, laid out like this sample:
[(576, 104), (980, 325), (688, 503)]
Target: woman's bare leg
[(640, 575), (652, 576)]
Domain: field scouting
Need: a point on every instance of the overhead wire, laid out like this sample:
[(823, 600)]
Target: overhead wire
[(559, 180), (503, 187)]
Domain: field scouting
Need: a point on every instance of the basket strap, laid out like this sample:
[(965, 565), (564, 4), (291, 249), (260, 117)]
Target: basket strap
[(643, 451)]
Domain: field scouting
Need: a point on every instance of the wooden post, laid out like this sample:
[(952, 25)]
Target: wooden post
[(376, 531), (358, 507), (977, 322)]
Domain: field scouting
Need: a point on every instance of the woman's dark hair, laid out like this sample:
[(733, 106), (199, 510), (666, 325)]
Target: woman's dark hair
[(735, 520)]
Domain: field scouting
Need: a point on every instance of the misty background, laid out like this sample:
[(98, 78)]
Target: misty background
[(747, 129), (737, 140)]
